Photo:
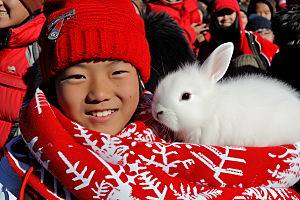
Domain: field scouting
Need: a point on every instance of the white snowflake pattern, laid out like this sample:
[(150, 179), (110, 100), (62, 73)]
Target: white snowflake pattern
[(111, 151), (224, 157), (152, 184), (127, 133), (265, 193), (193, 195), (165, 165), (290, 176), (79, 176), (122, 191), (39, 152), (40, 100)]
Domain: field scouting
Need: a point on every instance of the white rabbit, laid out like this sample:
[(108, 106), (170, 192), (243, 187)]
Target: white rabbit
[(250, 110)]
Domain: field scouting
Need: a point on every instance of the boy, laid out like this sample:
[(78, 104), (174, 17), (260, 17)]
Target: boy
[(19, 29), (94, 65)]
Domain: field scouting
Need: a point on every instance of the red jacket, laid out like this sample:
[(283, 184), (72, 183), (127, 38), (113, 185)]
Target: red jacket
[(16, 77), (267, 49), (185, 13)]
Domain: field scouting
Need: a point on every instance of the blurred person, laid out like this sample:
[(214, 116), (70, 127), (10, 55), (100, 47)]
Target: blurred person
[(201, 10), (20, 25), (226, 26), (245, 2), (260, 25), (139, 6), (265, 8), (186, 14), (243, 10), (206, 5)]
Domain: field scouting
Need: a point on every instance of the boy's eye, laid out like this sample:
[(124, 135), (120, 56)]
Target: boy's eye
[(77, 76), (118, 72)]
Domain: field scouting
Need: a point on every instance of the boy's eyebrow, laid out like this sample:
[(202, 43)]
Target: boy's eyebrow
[(114, 62), (78, 65)]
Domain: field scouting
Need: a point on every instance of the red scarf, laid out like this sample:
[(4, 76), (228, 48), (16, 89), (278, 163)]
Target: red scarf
[(135, 164)]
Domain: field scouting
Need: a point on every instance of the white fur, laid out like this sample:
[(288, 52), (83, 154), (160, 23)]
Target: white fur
[(250, 110)]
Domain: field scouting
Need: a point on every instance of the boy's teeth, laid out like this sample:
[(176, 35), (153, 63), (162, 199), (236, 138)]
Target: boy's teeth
[(3, 13), (99, 114), (102, 114)]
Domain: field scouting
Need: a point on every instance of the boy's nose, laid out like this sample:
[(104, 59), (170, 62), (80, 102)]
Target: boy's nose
[(100, 92)]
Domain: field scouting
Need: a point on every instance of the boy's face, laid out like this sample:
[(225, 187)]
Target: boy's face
[(12, 13), (100, 96)]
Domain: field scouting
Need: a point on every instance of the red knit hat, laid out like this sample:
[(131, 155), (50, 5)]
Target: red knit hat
[(32, 5), (82, 31)]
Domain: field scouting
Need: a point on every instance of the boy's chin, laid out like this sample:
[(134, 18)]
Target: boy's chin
[(109, 131)]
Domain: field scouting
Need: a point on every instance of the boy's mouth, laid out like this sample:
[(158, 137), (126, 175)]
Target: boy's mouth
[(101, 113)]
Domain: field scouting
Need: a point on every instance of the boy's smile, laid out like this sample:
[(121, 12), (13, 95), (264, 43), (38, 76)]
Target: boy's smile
[(102, 113), (101, 117), (101, 96)]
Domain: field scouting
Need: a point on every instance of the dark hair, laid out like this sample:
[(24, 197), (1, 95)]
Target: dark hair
[(49, 90), (271, 4), (285, 25), (168, 47)]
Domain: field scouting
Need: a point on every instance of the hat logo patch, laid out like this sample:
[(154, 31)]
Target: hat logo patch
[(11, 69), (55, 26)]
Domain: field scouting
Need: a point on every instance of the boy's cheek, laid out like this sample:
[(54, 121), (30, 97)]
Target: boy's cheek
[(67, 95)]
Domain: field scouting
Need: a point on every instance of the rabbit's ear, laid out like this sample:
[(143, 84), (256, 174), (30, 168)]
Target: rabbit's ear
[(215, 66)]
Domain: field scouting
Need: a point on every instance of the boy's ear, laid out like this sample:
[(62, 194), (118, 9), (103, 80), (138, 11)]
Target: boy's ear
[(215, 66)]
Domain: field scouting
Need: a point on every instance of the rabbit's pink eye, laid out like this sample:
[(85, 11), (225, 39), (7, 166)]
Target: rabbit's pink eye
[(185, 96)]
